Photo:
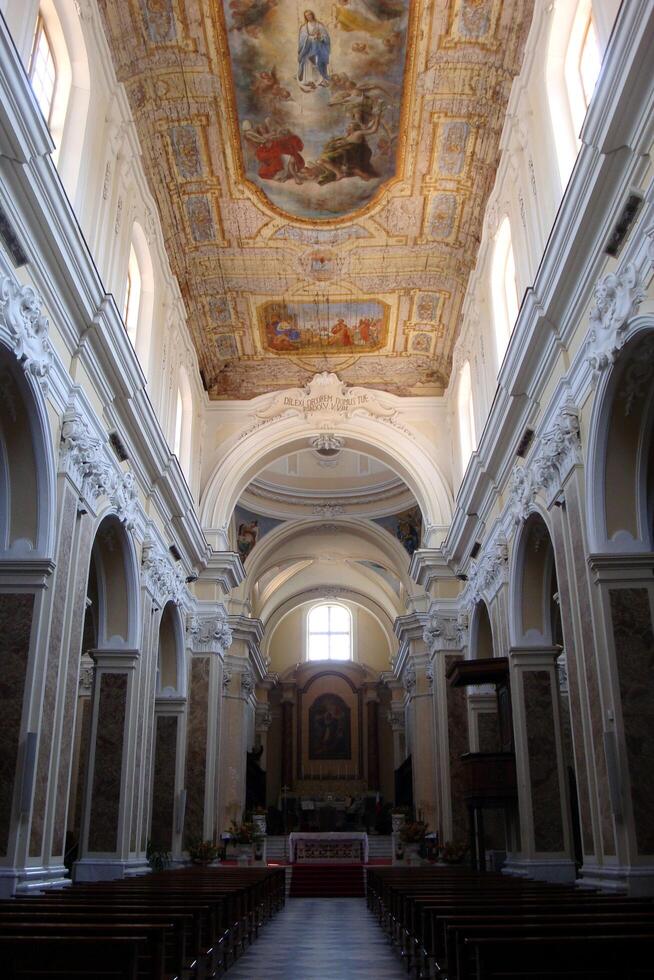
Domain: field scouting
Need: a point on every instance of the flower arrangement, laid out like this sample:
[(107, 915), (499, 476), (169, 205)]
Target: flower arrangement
[(414, 832), (157, 856), (202, 851), (454, 851), (244, 833)]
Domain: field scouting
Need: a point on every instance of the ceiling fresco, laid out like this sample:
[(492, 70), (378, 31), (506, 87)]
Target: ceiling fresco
[(321, 175)]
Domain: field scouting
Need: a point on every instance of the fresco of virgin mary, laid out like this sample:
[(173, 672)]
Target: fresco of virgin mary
[(314, 46)]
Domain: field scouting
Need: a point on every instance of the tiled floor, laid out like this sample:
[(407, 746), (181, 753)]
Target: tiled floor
[(320, 939)]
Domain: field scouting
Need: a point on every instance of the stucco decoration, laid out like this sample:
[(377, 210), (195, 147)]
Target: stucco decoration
[(319, 162), (617, 299), (209, 634), (85, 458), (489, 572), (27, 328), (160, 577)]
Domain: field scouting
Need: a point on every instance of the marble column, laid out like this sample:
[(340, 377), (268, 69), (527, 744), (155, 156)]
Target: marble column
[(625, 592), (546, 842), (105, 842), (372, 716)]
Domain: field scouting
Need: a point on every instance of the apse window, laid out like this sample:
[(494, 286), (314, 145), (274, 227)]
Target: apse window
[(329, 633), (43, 70)]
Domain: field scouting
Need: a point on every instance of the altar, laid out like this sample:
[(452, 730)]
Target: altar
[(308, 848)]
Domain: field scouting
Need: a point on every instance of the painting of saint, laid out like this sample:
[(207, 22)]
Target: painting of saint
[(302, 327), (409, 529), (329, 728), (314, 45), (247, 537), (318, 99)]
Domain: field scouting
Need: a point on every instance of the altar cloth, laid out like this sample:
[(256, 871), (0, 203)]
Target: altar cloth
[(327, 846)]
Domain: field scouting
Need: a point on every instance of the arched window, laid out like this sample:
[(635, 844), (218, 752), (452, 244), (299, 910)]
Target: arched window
[(582, 63), (43, 70), (503, 288), (329, 633), (183, 429), (466, 415), (179, 416), (132, 303)]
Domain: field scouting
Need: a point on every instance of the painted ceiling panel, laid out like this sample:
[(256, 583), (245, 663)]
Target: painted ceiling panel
[(321, 175)]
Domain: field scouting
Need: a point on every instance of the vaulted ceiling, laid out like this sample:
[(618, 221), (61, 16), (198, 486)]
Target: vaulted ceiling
[(321, 175)]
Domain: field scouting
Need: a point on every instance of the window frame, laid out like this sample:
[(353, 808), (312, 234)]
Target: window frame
[(41, 31), (329, 633)]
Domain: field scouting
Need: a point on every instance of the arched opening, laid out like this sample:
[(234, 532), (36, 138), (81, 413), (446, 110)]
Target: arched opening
[(466, 416), (183, 428), (504, 289), (481, 633), (138, 299), (169, 707), (329, 632)]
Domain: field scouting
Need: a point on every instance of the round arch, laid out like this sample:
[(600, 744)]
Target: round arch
[(247, 457), (116, 570), (621, 450), (482, 645), (143, 340), (27, 464), (533, 583), (171, 668)]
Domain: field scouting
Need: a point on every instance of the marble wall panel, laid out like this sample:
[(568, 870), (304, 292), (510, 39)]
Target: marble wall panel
[(84, 713), (457, 727), (634, 649), (488, 731), (16, 613), (196, 749), (107, 770), (163, 790), (64, 560), (590, 675), (71, 688), (574, 693), (543, 768)]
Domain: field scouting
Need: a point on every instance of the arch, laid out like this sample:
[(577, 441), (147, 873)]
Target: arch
[(621, 450), (183, 431), (27, 464), (246, 457), (504, 290), (568, 89), (534, 587), (466, 416), (481, 633), (138, 305), (171, 673), (116, 573)]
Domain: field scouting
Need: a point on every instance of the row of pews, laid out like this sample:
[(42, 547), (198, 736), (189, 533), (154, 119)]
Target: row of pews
[(187, 924), (455, 924)]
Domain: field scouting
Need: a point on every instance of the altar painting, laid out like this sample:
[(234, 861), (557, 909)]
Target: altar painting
[(329, 728), (334, 328), (318, 98)]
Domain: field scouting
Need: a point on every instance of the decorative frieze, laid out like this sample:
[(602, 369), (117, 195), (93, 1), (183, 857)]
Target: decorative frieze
[(85, 458), (209, 634), (617, 299), (161, 578), (27, 328), (410, 679)]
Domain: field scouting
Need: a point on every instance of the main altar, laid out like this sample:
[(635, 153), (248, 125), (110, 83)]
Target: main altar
[(324, 848)]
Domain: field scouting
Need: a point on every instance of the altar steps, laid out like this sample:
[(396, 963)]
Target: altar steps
[(327, 881)]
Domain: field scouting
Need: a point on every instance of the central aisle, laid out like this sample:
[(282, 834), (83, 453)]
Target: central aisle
[(320, 939)]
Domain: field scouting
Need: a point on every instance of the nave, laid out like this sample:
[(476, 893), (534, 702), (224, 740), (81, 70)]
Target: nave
[(320, 938)]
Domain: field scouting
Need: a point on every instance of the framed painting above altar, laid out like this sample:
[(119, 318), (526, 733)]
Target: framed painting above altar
[(329, 729)]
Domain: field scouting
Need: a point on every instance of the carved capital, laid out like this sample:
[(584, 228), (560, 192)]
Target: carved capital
[(559, 450), (160, 577), (210, 634), (20, 310), (263, 718), (490, 572)]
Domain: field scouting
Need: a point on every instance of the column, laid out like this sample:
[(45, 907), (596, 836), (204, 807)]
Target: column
[(167, 776), (397, 719), (288, 755), (546, 845), (105, 843), (372, 717)]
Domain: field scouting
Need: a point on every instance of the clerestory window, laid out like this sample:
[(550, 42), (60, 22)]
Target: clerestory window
[(43, 70), (329, 633)]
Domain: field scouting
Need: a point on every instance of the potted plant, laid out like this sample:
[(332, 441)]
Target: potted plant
[(453, 851), (244, 836), (157, 856), (202, 851), (412, 836)]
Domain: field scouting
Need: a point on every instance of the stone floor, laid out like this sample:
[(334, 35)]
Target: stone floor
[(320, 939)]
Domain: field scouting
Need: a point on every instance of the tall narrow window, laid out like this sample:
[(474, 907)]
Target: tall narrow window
[(43, 70), (465, 411), (589, 61), (329, 633), (503, 288), (179, 418), (582, 63), (132, 296)]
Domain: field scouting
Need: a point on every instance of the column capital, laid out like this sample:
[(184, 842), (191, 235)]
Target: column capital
[(534, 657), (209, 634), (123, 658)]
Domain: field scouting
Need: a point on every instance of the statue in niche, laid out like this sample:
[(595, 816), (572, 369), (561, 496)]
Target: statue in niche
[(329, 728)]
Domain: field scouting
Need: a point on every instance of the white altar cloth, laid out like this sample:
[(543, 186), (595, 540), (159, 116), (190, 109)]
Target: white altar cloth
[(337, 838)]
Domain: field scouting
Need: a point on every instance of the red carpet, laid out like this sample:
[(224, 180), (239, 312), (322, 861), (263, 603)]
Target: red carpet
[(327, 881)]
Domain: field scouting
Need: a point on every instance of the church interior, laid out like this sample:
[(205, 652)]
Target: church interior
[(326, 489)]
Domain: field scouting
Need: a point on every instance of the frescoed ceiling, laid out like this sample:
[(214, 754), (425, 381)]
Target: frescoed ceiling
[(321, 175)]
